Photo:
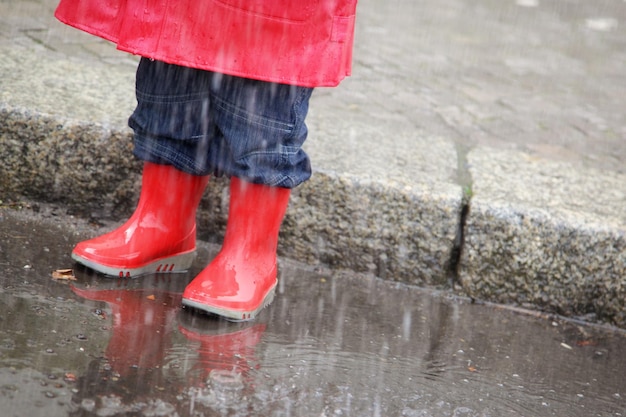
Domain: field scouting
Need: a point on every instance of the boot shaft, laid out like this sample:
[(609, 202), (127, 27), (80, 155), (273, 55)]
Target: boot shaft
[(255, 215), (170, 194)]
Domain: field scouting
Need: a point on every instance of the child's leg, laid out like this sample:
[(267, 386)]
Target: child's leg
[(241, 280), (262, 129), (172, 127)]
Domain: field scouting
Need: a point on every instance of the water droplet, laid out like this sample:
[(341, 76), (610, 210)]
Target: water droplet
[(527, 3), (88, 404), (605, 24)]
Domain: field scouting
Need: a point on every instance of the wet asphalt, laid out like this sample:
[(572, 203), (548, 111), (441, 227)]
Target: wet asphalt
[(333, 343)]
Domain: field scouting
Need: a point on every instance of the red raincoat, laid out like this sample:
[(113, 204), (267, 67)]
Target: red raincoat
[(301, 42)]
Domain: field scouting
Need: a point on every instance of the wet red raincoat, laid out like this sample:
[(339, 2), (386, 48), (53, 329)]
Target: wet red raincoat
[(302, 42)]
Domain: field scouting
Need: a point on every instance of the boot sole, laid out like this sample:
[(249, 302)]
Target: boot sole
[(233, 315), (171, 264)]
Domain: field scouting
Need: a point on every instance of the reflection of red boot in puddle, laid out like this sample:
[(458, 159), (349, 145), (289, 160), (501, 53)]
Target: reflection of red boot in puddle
[(142, 321), (226, 351)]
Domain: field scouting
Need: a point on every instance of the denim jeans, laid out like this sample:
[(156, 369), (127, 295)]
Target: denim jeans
[(205, 123)]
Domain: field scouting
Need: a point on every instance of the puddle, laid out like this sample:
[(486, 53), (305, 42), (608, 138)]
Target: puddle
[(331, 344)]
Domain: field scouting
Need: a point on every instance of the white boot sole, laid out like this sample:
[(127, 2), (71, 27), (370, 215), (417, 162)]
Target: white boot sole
[(233, 315), (170, 264)]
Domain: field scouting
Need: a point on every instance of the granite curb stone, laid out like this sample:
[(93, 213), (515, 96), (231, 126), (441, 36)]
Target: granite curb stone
[(65, 140), (546, 234)]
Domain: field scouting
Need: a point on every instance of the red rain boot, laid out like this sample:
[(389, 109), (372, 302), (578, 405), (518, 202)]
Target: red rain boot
[(159, 237), (240, 281)]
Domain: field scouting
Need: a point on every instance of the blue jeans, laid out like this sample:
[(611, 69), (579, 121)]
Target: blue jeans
[(205, 123)]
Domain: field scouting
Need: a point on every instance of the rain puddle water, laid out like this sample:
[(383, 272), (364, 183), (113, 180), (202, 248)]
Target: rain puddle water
[(331, 344)]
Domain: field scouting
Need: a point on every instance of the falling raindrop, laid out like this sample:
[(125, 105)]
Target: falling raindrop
[(88, 404), (527, 3), (604, 24)]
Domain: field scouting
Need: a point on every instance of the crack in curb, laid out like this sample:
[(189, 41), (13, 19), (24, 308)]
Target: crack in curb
[(464, 179)]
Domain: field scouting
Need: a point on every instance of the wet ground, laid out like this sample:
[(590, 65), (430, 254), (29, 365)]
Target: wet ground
[(331, 344)]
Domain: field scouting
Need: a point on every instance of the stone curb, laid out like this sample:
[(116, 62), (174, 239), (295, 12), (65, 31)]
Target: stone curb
[(546, 234), (383, 198), (362, 220)]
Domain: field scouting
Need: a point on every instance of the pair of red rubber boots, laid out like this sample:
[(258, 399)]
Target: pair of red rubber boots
[(160, 237)]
